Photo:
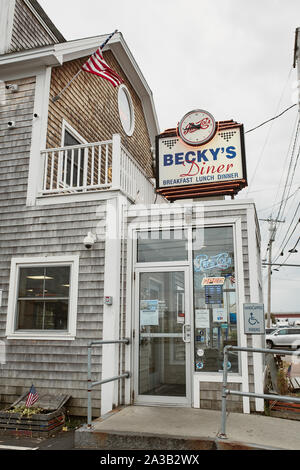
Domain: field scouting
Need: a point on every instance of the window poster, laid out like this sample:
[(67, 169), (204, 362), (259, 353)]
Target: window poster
[(149, 313), (202, 318), (219, 315)]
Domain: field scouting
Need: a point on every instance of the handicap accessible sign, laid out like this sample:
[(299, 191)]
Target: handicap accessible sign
[(254, 319)]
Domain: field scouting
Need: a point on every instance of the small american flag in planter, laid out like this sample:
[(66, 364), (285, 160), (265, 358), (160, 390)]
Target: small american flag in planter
[(32, 397)]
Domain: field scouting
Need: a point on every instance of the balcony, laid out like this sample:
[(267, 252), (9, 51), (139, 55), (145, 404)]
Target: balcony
[(95, 167)]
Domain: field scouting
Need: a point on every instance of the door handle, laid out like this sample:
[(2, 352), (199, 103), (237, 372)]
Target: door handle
[(186, 333)]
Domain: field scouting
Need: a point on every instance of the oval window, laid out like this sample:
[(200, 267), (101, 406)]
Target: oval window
[(126, 111)]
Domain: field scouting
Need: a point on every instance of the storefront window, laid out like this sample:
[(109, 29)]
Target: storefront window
[(160, 246), (214, 299)]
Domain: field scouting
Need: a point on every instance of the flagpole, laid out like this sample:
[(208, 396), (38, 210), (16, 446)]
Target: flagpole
[(57, 97)]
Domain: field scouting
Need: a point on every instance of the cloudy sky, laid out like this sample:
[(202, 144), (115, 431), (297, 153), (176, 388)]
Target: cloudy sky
[(233, 58)]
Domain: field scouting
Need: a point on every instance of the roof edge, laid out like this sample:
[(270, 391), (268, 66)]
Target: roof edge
[(43, 15)]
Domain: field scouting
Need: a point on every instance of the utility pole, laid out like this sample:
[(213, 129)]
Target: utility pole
[(272, 230), (297, 61)]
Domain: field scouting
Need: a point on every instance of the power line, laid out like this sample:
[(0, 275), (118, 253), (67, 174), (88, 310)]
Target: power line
[(292, 177), (272, 119), (288, 181), (291, 251), (282, 248), (270, 207), (269, 132), (286, 158)]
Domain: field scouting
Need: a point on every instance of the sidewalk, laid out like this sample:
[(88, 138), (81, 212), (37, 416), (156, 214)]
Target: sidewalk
[(140, 427), (155, 428)]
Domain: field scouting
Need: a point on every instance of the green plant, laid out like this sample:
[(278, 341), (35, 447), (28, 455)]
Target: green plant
[(26, 412)]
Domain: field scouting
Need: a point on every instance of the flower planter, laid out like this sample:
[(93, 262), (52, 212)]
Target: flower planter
[(44, 424), (285, 410)]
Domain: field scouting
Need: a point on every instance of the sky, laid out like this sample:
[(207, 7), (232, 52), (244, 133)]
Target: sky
[(233, 58)]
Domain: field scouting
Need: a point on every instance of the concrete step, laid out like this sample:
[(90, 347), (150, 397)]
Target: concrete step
[(166, 428)]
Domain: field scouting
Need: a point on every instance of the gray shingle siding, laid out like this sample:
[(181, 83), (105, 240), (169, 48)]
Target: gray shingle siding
[(53, 230)]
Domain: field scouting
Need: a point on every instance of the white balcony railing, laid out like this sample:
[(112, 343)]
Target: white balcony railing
[(99, 166)]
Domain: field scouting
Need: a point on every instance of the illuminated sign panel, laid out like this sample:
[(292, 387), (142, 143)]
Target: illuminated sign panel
[(216, 166)]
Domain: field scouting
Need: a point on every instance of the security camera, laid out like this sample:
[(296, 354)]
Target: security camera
[(89, 240), (11, 124), (13, 88)]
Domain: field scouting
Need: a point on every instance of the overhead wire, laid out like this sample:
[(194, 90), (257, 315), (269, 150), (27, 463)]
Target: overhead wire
[(272, 119), (285, 160), (270, 207), (283, 263), (270, 129), (282, 248), (288, 182)]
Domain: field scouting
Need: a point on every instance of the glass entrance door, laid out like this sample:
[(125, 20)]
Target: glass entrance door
[(164, 335)]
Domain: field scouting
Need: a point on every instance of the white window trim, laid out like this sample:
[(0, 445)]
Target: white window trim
[(123, 88), (67, 127), (16, 263)]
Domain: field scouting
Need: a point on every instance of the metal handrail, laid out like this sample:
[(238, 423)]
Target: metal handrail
[(226, 391), (91, 384)]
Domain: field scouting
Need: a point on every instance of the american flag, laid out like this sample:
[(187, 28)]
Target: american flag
[(97, 65), (32, 397)]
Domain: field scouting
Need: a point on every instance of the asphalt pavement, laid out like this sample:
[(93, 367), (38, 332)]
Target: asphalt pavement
[(64, 440)]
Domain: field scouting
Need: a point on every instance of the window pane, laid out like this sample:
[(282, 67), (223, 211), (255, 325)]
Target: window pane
[(125, 111), (57, 281), (30, 313), (33, 315), (37, 287), (75, 159), (31, 282), (215, 305), (159, 246), (69, 140)]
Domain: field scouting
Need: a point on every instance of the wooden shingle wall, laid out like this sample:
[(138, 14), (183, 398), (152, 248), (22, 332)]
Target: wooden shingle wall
[(56, 230), (90, 106), (28, 32)]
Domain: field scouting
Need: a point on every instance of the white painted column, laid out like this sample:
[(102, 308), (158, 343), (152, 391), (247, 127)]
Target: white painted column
[(239, 275), (39, 133), (111, 313), (116, 162), (257, 340)]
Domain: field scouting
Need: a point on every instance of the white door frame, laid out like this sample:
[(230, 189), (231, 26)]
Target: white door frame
[(163, 400)]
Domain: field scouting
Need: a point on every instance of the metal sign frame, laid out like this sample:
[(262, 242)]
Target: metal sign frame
[(254, 319)]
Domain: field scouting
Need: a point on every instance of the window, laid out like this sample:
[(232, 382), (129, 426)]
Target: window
[(215, 305), (126, 111), (43, 298), (72, 163), (159, 246)]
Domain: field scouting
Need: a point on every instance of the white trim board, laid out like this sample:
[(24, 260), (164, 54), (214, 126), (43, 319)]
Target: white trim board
[(7, 9), (11, 333), (39, 131)]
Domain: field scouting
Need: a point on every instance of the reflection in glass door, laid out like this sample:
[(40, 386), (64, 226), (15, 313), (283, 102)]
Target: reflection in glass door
[(164, 336)]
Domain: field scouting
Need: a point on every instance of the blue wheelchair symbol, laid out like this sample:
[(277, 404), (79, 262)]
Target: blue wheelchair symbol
[(252, 320)]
